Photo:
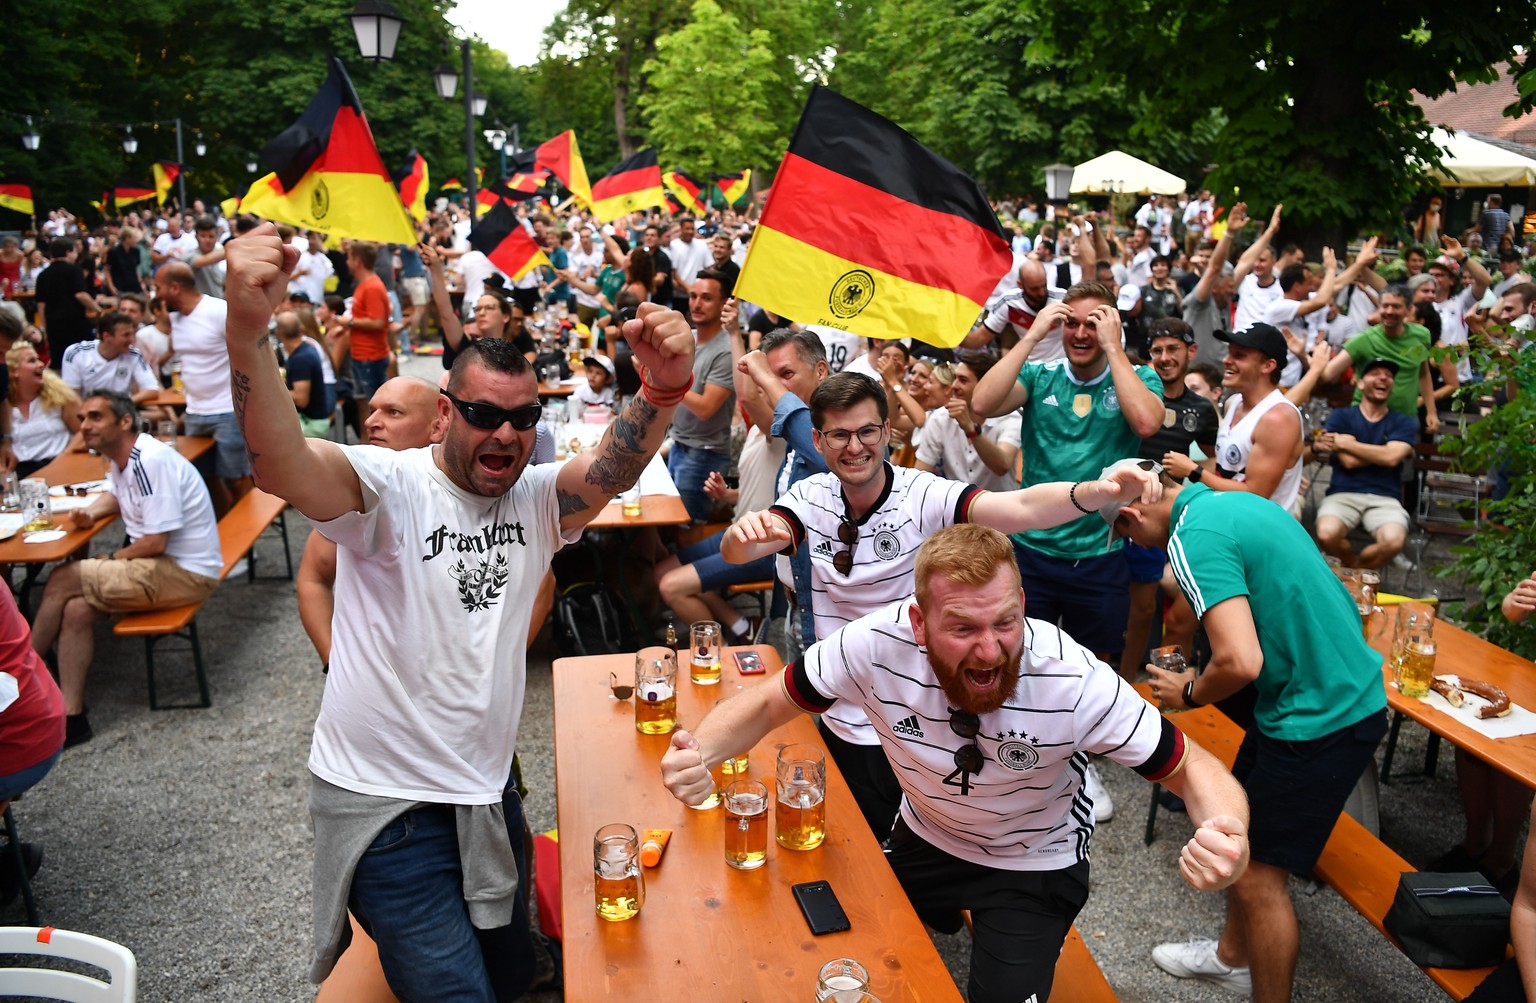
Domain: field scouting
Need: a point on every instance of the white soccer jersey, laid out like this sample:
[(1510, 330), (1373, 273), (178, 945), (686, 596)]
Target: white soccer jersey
[(1026, 810), (84, 369)]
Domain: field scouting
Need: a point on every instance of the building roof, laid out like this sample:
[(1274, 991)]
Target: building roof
[(1479, 108)]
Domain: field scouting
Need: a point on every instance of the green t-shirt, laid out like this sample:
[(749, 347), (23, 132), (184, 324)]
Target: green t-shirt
[(1072, 431), (1319, 675), (1408, 350)]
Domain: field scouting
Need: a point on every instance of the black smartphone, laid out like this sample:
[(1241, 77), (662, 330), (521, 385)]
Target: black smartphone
[(820, 907)]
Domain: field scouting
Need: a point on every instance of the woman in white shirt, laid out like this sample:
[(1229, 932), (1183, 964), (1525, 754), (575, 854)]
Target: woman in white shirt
[(45, 411)]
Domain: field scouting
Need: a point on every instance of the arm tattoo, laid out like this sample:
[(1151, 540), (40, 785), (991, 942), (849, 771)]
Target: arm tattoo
[(240, 392), (569, 503), (623, 454)]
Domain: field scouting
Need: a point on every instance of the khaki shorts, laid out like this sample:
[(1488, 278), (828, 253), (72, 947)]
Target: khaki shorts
[(141, 583), (1354, 508), (415, 289)]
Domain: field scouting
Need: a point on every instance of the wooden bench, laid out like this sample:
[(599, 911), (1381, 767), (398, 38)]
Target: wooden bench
[(761, 591), (1356, 864), (239, 530)]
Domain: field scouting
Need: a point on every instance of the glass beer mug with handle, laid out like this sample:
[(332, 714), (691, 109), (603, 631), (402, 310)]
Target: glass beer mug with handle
[(1413, 649)]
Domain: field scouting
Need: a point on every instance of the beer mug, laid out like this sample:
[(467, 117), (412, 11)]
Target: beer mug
[(1170, 658), (10, 492), (746, 824), (1413, 649), (840, 976), (617, 879), (1364, 586), (35, 506), (800, 812), (629, 502), (655, 691), (704, 653)]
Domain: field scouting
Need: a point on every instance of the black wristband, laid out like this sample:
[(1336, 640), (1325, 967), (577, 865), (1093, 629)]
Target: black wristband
[(1196, 474), (1072, 496), (1189, 695)]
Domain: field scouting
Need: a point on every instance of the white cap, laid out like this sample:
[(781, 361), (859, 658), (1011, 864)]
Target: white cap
[(1110, 511)]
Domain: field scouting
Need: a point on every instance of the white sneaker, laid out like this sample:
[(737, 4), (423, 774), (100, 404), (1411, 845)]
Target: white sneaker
[(240, 568), (1103, 806), (1403, 562), (1197, 960)]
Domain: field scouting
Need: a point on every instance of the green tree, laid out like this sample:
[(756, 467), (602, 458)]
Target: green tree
[(707, 105)]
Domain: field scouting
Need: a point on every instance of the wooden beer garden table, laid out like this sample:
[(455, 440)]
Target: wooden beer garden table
[(708, 931), (165, 398), (1463, 653)]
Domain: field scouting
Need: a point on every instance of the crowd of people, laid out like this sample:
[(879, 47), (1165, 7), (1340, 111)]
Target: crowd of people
[(982, 542)]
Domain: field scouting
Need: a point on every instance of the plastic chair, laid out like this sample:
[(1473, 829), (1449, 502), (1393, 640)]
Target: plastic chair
[(48, 983)]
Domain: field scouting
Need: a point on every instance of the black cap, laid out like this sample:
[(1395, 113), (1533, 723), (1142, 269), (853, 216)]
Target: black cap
[(1265, 337), (1379, 363)]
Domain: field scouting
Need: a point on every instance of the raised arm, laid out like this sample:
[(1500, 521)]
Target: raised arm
[(1324, 298), (1245, 263), (453, 329), (662, 343), (1046, 505), (1481, 280), (999, 391), (1236, 220), (731, 728), (1142, 409), (312, 475)]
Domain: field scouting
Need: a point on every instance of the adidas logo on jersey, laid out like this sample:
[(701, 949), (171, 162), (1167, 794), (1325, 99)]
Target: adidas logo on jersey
[(1051, 400), (824, 548), (908, 726)]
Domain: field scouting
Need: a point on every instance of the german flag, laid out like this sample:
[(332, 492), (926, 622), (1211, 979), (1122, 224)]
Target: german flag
[(105, 205), (16, 196), (674, 206), (166, 173), (633, 184), (230, 206), (687, 191), (451, 185), (486, 199), (413, 182), (527, 177), (562, 156), (870, 231), (126, 193), (734, 187), (326, 172), (500, 237)]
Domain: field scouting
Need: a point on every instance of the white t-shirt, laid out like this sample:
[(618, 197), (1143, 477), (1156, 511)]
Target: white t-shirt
[(160, 491), (760, 458), (152, 343), (475, 268), (917, 505), (1026, 810), (1252, 299), (424, 703), (1282, 313), (1453, 327), (1139, 273), (84, 369), (688, 259), (198, 339), (327, 371), (586, 265), (842, 347), (946, 448), (861, 364), (316, 268), (40, 435), (176, 247)]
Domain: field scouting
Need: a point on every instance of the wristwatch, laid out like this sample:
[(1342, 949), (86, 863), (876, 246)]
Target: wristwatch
[(897, 388), (1189, 695), (1196, 474)]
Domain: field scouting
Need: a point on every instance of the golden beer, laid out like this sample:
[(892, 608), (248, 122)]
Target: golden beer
[(746, 825), (631, 506), (1415, 668), (704, 653), (706, 671), (737, 766), (655, 709), (717, 776), (617, 881), (1365, 620), (800, 817), (619, 899), (176, 383)]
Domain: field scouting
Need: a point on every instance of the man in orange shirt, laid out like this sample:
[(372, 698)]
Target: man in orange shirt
[(367, 327)]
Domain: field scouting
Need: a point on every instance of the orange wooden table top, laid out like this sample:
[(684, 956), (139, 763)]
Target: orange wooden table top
[(655, 510), (708, 931)]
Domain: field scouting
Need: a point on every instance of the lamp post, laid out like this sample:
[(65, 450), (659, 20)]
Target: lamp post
[(377, 27), (29, 137), (130, 141), (497, 137), (1058, 183), (447, 83)]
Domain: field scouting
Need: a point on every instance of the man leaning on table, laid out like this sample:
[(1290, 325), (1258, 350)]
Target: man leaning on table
[(1277, 617), (1001, 824), (412, 797), (172, 557)]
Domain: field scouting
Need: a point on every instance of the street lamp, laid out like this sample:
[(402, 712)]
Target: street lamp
[(447, 83), (497, 137), (201, 147), (251, 166), (446, 79), (377, 27), (130, 142), (479, 101), (1058, 182), (30, 139)]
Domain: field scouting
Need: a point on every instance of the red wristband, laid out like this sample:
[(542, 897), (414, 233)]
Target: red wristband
[(973, 433), (666, 398)]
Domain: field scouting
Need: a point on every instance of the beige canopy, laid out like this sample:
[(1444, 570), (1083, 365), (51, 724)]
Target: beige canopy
[(1120, 173), (1470, 162)]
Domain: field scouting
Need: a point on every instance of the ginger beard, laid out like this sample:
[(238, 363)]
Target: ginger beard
[(980, 689)]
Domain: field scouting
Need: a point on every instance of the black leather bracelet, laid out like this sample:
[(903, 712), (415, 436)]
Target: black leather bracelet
[(1072, 495), (1189, 695)]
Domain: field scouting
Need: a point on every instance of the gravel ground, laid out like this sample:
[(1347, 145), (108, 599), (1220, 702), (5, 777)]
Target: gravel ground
[(184, 834)]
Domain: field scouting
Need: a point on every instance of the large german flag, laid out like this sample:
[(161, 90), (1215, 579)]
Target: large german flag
[(735, 187), (326, 172), (869, 231), (166, 173), (413, 182), (632, 185), (16, 196), (562, 156), (687, 190), (500, 237), (126, 193)]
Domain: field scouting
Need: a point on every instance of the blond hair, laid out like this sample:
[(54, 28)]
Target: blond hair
[(966, 554), (55, 392)]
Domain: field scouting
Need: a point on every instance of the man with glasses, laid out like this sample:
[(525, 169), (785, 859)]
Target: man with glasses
[(861, 524), (417, 825), (989, 718)]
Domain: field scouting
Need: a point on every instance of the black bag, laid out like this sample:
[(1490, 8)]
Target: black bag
[(1449, 920), (590, 619)]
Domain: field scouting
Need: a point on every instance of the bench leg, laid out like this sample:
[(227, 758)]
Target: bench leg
[(1386, 759), (14, 851), (204, 699), (1431, 754), (1146, 838), (282, 524)]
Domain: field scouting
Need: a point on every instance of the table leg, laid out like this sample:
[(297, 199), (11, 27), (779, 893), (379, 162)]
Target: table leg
[(1386, 760)]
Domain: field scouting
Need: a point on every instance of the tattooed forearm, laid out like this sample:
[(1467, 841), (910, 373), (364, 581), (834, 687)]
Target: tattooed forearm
[(240, 392), (569, 503), (623, 453)]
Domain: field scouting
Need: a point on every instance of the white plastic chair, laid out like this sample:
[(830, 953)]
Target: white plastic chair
[(56, 985)]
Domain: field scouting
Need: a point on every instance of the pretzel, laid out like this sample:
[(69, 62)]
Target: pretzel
[(1498, 700), (1447, 687)]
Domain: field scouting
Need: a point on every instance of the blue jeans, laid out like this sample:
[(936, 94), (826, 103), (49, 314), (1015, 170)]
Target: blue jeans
[(408, 893), (690, 467)]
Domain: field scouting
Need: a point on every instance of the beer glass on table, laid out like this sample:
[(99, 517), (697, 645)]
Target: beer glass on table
[(746, 824), (841, 976), (800, 812), (704, 653), (618, 881), (36, 506), (655, 691), (1413, 649)]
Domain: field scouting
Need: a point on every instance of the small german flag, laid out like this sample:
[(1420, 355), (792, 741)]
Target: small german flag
[(486, 199), (633, 184), (104, 206), (16, 196), (527, 178), (869, 231), (500, 237), (413, 181), (126, 193), (562, 156), (327, 174), (451, 185), (734, 187), (687, 190), (166, 173)]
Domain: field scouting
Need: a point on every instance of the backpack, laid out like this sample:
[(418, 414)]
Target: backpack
[(591, 619)]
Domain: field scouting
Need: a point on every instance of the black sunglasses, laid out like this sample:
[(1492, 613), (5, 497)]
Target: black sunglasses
[(848, 533), (491, 417), (969, 758)]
